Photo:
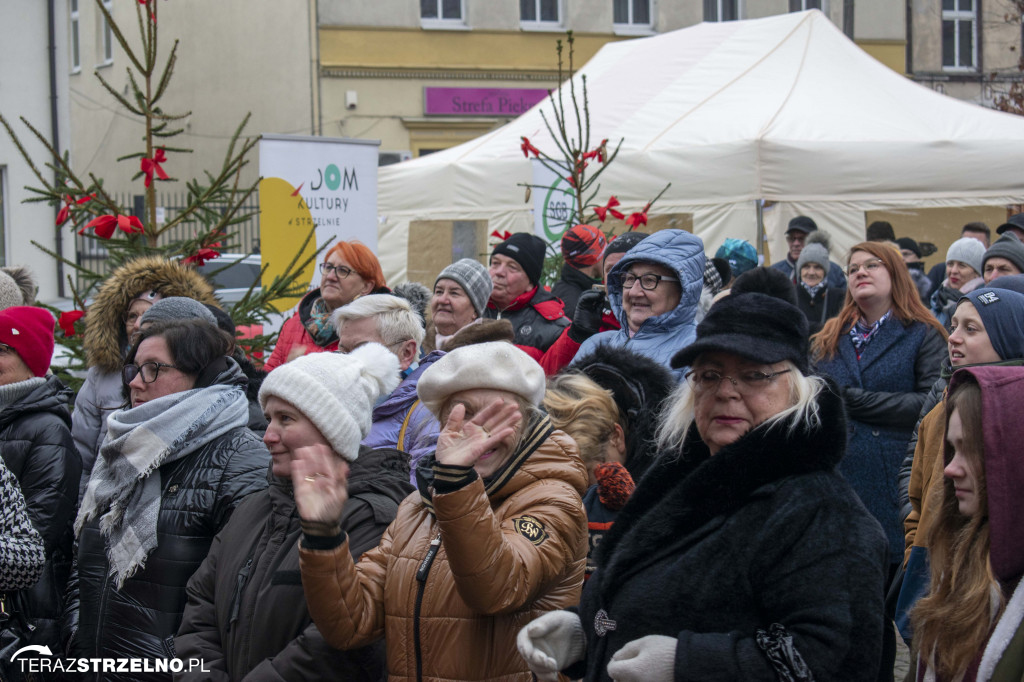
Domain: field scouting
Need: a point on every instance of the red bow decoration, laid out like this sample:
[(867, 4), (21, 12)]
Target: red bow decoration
[(501, 236), (600, 153), (201, 256), (149, 166), (571, 179), (635, 220), (603, 211), (67, 320), (106, 224), (528, 148), (65, 211)]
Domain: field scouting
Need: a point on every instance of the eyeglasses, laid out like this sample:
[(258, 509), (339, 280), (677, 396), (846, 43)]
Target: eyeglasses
[(870, 265), (752, 381), (339, 271), (5, 349), (649, 281), (130, 318), (149, 371)]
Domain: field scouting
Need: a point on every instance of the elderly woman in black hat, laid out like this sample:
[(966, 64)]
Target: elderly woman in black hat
[(742, 554)]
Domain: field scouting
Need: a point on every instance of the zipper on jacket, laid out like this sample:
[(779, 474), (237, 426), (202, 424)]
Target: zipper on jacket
[(101, 611), (236, 601), (421, 577)]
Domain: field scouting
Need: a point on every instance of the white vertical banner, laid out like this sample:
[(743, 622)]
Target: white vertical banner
[(314, 183), (553, 200)]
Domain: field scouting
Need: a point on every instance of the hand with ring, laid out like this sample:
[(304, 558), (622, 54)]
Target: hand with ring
[(320, 482), (462, 442)]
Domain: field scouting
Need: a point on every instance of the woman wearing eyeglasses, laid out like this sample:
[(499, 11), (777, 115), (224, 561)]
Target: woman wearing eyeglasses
[(349, 270), (742, 554), (885, 350), (654, 291), (174, 466)]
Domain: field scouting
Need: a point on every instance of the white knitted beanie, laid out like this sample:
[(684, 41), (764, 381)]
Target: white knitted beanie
[(495, 365), (336, 391)]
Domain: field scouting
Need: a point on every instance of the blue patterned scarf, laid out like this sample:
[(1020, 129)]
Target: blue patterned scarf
[(862, 333)]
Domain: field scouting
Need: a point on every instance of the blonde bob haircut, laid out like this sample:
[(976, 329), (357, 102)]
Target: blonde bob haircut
[(803, 411)]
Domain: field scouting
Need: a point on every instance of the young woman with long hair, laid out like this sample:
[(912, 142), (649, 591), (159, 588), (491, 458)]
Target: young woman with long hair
[(968, 626)]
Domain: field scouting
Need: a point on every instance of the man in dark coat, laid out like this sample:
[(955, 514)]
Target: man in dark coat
[(537, 316)]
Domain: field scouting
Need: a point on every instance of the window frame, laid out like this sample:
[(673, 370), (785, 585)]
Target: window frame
[(957, 16), (801, 5), (441, 23), (106, 42), (541, 24), (75, 40), (631, 27), (740, 10)]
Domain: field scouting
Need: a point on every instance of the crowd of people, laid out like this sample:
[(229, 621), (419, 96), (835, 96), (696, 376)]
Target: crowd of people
[(668, 465)]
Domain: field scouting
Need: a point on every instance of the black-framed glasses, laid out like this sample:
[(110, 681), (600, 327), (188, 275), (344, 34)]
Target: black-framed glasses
[(870, 265), (5, 349), (149, 371), (340, 271), (751, 381), (650, 281)]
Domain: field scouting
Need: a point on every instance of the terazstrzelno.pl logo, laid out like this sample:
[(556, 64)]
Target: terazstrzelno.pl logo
[(45, 662)]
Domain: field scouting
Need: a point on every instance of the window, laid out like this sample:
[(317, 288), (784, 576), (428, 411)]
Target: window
[(107, 35), (721, 10), (959, 44), (802, 5), (631, 12), (441, 9), (538, 11), (76, 59)]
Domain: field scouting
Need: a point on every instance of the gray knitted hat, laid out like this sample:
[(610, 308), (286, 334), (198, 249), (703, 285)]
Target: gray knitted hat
[(813, 253), (1008, 247), (10, 293), (178, 308), (474, 279), (967, 250), (17, 286)]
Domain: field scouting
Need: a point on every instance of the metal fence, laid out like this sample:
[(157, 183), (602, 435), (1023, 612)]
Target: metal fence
[(91, 253)]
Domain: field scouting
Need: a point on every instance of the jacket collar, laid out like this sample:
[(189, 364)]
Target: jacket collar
[(685, 490), (891, 331)]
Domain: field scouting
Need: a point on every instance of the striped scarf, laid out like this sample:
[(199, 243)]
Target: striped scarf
[(861, 334)]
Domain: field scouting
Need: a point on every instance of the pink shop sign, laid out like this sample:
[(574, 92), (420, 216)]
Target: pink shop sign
[(480, 101)]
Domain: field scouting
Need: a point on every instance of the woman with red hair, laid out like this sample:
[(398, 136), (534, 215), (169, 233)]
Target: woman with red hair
[(349, 270)]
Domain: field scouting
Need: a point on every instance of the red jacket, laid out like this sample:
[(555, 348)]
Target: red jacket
[(294, 333)]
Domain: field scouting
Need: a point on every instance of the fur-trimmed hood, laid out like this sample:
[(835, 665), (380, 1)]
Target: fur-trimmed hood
[(105, 338), (687, 489)]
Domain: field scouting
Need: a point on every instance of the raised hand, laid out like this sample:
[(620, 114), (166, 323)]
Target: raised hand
[(461, 442), (320, 482)]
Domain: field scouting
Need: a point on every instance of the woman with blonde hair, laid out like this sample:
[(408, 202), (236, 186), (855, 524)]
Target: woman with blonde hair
[(585, 411), (969, 626), (349, 270)]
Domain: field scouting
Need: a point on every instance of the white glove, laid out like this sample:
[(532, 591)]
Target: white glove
[(552, 642), (648, 659)]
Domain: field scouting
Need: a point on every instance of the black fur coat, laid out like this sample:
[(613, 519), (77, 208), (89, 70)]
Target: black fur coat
[(711, 549)]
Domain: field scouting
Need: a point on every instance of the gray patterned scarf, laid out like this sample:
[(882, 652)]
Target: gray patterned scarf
[(124, 491)]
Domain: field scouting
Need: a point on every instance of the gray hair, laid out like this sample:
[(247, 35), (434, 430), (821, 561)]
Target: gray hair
[(804, 391), (396, 320)]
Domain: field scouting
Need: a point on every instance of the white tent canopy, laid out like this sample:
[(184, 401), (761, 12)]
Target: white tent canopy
[(785, 109)]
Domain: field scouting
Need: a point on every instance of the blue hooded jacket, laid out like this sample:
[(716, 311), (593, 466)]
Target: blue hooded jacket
[(661, 336)]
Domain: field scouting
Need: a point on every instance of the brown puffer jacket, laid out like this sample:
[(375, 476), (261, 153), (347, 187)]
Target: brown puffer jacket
[(503, 560)]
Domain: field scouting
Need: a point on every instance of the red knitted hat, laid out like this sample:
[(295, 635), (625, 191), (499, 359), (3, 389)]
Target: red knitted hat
[(583, 245), (29, 331)]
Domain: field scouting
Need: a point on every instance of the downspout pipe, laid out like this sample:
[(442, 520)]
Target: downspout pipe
[(55, 134)]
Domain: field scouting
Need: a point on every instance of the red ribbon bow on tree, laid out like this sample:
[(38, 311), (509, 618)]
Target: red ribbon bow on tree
[(528, 148), (65, 211), (501, 236), (106, 224), (67, 320), (201, 256), (149, 166), (603, 211), (599, 153), (635, 220)]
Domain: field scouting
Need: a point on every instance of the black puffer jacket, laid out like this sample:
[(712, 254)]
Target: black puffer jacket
[(199, 494), (36, 444), (227, 625), (537, 323)]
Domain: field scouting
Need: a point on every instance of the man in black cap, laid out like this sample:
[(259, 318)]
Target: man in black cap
[(911, 251), (796, 237), (537, 316)]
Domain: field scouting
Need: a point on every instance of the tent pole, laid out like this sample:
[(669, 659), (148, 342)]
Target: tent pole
[(759, 210)]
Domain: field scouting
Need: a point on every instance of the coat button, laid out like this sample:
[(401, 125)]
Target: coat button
[(172, 489), (874, 432)]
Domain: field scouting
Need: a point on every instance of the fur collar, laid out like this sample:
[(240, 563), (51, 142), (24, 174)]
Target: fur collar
[(685, 490)]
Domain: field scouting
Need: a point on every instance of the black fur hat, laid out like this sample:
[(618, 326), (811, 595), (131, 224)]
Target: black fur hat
[(639, 387), (756, 326), (766, 281)]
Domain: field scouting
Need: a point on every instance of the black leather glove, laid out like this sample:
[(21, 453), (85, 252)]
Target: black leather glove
[(586, 321)]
